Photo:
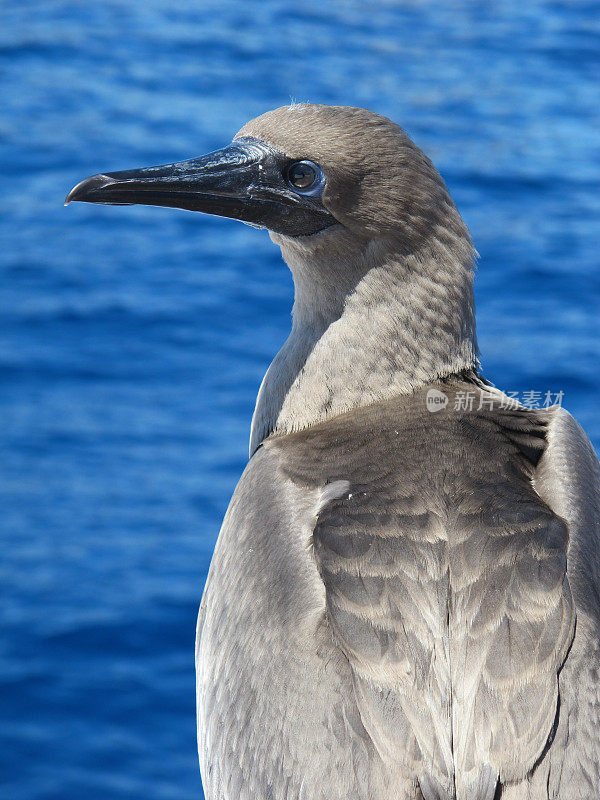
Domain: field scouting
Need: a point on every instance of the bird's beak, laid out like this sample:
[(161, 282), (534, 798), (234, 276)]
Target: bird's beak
[(242, 181)]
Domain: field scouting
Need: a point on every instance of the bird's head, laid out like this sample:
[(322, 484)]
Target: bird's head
[(381, 259), (298, 171)]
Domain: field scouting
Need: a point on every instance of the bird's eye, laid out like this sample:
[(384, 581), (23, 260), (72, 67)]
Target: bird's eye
[(303, 175)]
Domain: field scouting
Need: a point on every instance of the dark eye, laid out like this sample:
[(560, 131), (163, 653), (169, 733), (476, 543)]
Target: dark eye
[(303, 175)]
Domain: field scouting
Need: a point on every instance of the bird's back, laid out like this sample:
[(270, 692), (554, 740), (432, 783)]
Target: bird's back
[(427, 573), (445, 578)]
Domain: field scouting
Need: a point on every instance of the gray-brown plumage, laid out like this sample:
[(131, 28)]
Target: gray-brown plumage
[(403, 603)]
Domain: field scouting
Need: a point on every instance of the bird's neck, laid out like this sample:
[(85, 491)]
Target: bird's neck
[(367, 325)]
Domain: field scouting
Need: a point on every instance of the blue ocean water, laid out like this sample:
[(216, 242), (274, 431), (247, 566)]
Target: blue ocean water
[(133, 340)]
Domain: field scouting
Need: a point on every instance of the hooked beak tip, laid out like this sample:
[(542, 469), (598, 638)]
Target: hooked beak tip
[(84, 188)]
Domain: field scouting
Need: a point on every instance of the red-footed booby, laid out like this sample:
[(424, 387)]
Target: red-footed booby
[(403, 603)]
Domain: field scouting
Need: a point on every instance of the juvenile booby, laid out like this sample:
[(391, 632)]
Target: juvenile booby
[(404, 600)]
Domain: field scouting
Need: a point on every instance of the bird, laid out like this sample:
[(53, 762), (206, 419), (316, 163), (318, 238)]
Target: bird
[(403, 602)]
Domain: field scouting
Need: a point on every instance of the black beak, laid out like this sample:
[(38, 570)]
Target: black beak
[(245, 181)]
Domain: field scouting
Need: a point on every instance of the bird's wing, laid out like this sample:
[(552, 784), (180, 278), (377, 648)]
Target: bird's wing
[(277, 715), (568, 479), (512, 614)]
